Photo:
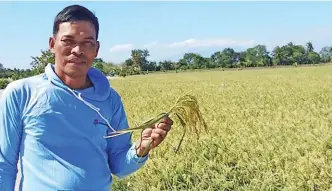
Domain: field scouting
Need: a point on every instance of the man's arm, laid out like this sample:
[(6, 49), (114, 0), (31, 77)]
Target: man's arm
[(10, 137), (123, 159)]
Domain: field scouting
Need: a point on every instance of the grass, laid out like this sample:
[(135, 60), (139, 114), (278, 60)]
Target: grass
[(269, 129)]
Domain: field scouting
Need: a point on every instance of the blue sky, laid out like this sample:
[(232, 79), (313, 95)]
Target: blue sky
[(168, 29)]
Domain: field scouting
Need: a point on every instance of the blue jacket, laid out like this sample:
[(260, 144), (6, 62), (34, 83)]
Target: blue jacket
[(58, 135)]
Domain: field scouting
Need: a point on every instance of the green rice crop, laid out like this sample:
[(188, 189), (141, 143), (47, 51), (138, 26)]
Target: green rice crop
[(269, 129)]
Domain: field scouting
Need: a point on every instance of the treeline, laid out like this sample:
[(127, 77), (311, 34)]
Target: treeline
[(257, 56), (15, 73), (7, 75), (139, 63)]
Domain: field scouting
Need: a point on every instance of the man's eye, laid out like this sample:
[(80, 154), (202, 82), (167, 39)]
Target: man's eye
[(67, 41), (88, 43)]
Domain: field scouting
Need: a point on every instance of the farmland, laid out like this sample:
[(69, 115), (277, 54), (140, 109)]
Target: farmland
[(269, 129)]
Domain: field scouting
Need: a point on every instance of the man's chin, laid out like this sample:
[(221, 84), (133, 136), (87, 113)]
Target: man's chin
[(76, 69)]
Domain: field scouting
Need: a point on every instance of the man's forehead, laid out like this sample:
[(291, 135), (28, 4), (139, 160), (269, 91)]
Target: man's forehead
[(81, 28)]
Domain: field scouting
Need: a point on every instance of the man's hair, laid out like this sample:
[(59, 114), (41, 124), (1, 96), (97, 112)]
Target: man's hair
[(74, 13)]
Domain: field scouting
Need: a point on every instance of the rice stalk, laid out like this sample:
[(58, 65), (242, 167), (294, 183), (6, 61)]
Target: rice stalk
[(186, 110)]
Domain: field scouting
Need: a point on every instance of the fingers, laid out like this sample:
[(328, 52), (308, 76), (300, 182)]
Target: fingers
[(165, 124), (167, 120), (158, 134)]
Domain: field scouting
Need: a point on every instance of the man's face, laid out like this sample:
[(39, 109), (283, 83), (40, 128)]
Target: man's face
[(75, 47)]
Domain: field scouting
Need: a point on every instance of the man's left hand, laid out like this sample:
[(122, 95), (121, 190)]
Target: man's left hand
[(157, 132)]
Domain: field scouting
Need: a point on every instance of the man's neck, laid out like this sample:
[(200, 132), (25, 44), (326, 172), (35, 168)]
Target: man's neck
[(74, 83)]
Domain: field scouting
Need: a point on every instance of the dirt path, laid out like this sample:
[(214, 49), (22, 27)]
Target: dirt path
[(18, 175)]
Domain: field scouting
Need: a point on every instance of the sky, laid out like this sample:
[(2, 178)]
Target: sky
[(168, 29)]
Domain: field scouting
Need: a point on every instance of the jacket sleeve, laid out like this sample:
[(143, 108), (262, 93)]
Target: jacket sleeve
[(10, 137), (123, 159)]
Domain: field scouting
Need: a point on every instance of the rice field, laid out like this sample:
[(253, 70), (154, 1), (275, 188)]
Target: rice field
[(269, 129)]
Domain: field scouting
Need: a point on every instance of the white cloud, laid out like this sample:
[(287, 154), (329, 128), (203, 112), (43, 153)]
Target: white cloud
[(121, 47), (213, 42), (206, 46), (160, 51), (151, 44), (202, 43), (189, 43)]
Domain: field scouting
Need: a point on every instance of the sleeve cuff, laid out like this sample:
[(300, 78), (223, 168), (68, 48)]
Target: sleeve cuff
[(137, 158)]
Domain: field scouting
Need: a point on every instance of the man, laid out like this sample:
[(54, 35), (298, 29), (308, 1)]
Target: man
[(55, 123)]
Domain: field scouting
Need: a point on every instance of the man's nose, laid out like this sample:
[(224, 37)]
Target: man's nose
[(78, 49)]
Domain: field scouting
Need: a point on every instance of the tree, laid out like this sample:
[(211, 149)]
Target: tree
[(138, 62), (313, 58), (310, 47), (298, 54), (166, 65), (1, 67), (152, 66), (257, 56), (193, 61), (39, 62), (99, 60), (230, 57), (217, 59), (129, 62), (326, 54), (225, 58), (99, 66), (139, 58), (289, 54), (110, 68), (98, 63)]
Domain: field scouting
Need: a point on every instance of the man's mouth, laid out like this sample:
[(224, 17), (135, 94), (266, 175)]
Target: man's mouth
[(77, 61)]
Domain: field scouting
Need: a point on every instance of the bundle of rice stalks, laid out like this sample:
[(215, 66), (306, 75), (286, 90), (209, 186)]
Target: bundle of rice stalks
[(186, 110)]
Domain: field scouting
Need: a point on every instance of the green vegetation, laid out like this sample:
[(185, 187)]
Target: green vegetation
[(138, 63), (3, 83), (269, 129)]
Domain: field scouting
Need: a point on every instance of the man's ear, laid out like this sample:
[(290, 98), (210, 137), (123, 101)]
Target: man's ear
[(97, 48), (51, 43)]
